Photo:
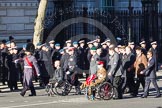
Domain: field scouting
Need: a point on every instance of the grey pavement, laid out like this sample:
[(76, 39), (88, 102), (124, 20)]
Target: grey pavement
[(14, 100)]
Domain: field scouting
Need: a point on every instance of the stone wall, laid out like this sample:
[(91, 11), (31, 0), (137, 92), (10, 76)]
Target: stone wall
[(17, 19)]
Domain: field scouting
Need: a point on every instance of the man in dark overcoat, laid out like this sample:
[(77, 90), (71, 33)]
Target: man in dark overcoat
[(150, 74), (72, 74)]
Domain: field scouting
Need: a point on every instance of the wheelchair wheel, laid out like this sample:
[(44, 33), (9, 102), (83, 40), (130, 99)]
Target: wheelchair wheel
[(63, 88), (105, 91), (68, 87), (49, 90)]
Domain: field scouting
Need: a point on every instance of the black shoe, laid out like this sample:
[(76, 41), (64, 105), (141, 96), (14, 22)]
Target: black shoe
[(115, 98), (22, 94), (134, 95), (157, 96), (11, 90), (143, 96), (4, 83), (32, 94)]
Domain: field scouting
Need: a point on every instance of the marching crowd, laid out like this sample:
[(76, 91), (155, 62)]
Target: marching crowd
[(125, 66)]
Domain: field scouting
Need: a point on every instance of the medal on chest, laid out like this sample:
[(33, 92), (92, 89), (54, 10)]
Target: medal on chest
[(71, 59)]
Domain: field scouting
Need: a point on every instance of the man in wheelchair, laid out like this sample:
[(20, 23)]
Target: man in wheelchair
[(95, 79), (58, 74)]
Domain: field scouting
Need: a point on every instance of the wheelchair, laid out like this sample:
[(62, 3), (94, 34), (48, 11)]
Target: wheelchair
[(63, 88), (103, 91)]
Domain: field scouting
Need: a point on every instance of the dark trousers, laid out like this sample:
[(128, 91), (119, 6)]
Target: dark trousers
[(4, 72), (25, 88), (147, 85), (131, 85), (117, 83), (12, 84), (124, 83), (140, 80), (28, 86), (73, 80)]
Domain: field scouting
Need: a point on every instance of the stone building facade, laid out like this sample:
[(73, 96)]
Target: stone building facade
[(17, 19)]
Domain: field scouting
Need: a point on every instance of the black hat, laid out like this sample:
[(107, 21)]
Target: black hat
[(30, 47), (28, 40), (10, 38), (3, 41)]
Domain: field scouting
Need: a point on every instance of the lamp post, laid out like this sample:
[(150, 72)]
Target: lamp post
[(130, 8)]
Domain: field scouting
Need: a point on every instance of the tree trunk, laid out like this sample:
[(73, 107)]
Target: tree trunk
[(39, 22)]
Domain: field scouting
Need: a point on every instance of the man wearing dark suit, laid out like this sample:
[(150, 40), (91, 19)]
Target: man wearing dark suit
[(115, 72), (51, 46), (72, 73), (3, 58), (155, 54), (143, 46), (150, 74), (130, 72)]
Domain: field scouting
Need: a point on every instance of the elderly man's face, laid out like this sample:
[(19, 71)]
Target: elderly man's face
[(51, 45), (93, 52), (68, 44), (15, 51), (127, 50), (13, 44), (75, 45), (143, 45), (99, 51), (154, 46), (90, 45), (2, 46), (132, 46), (71, 52), (57, 47), (111, 52), (82, 44), (57, 64), (96, 44), (104, 46)]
